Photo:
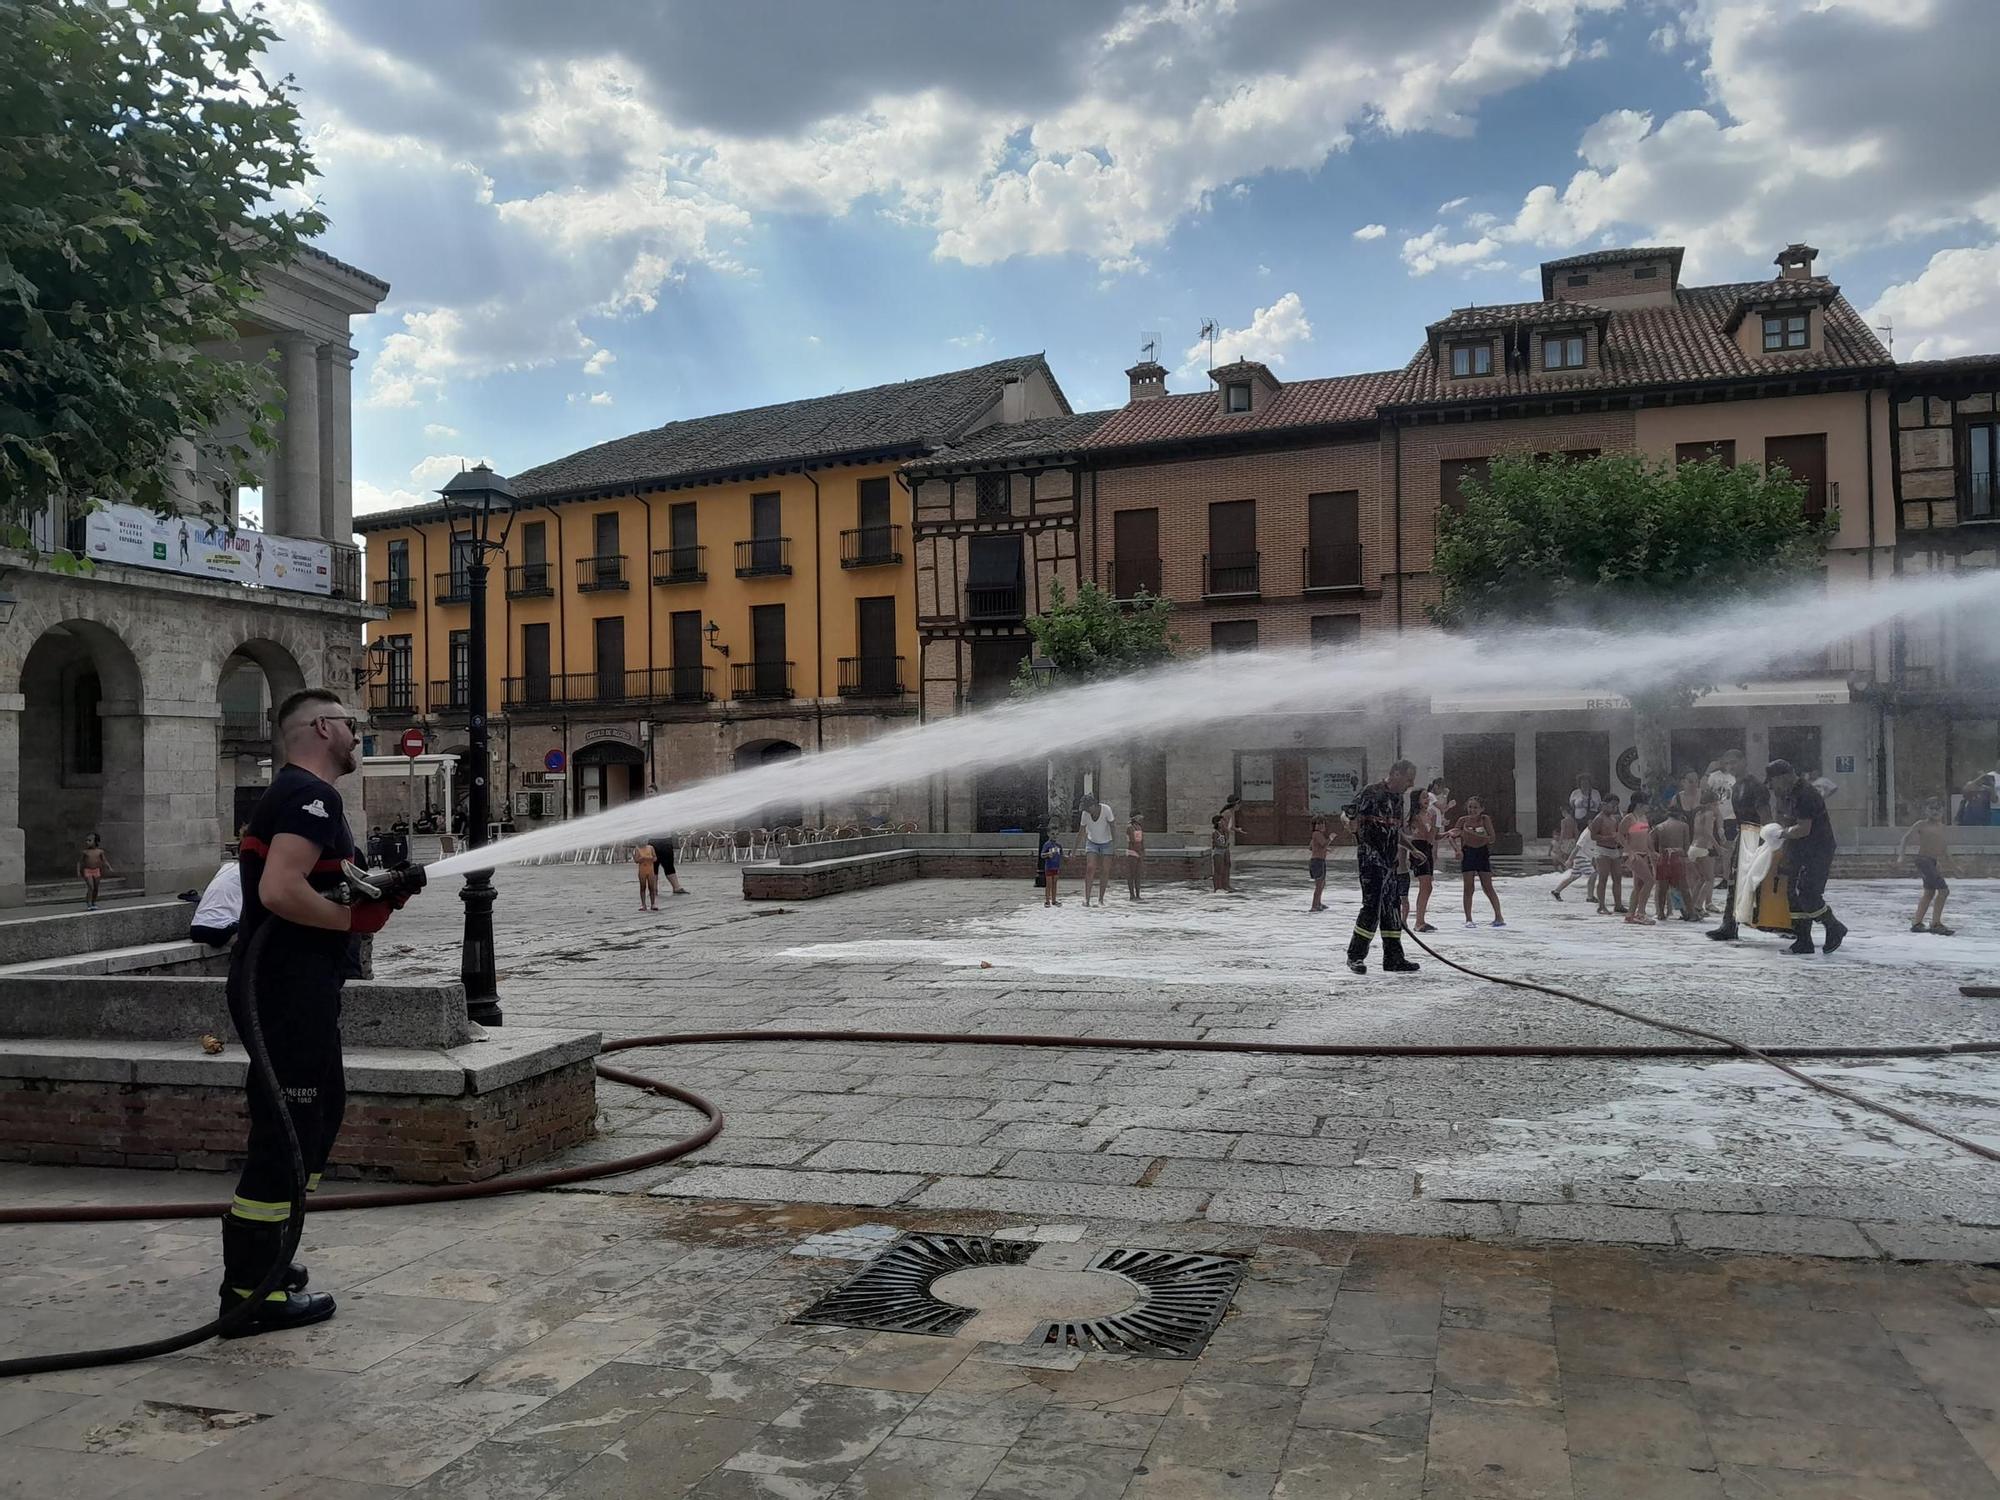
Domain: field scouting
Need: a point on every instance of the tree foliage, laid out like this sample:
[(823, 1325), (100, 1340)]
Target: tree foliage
[(1584, 540), (149, 172), (1092, 637)]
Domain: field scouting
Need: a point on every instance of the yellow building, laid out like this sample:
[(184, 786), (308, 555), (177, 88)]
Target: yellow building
[(686, 601)]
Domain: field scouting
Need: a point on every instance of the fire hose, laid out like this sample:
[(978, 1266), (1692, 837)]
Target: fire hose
[(1713, 1044)]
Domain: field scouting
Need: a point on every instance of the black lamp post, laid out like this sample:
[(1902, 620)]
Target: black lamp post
[(479, 505)]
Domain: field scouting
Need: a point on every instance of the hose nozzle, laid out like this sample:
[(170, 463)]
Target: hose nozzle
[(382, 885)]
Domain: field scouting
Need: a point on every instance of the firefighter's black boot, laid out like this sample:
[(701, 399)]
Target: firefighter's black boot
[(1393, 961), (296, 1274), (1836, 930), (1726, 933), (1801, 936), (247, 1252)]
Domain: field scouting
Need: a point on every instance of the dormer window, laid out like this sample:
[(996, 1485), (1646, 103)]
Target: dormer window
[(1562, 351), (1471, 359), (1236, 396), (1784, 331)]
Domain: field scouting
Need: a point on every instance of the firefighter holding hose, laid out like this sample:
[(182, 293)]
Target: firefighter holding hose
[(1377, 817), (292, 857)]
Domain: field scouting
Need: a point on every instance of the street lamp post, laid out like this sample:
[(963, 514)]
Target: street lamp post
[(476, 501)]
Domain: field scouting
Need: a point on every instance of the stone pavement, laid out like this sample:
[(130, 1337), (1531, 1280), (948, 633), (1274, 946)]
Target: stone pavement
[(1669, 1152), (593, 1346)]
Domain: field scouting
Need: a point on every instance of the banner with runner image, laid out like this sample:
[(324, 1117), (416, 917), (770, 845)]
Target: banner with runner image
[(199, 548)]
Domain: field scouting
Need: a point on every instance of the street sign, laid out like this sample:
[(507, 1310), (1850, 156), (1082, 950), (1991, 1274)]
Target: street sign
[(553, 760), (412, 743)]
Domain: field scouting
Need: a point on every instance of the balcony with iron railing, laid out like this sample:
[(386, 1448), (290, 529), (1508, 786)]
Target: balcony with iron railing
[(1129, 577), (454, 587), (1331, 568), (393, 593), (680, 565), (535, 580), (1230, 575), (764, 556), (993, 601), (753, 680), (452, 695), (57, 526), (346, 574), (605, 571), (871, 546), (871, 676), (1982, 498), (392, 698), (597, 689)]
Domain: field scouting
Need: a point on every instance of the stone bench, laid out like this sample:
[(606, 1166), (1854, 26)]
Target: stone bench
[(110, 1071), (180, 958), (807, 871)]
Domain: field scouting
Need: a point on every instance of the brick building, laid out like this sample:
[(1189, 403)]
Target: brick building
[(1284, 514)]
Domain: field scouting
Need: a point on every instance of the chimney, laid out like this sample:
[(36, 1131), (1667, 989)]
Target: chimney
[(1013, 401), (1149, 380), (1795, 262)]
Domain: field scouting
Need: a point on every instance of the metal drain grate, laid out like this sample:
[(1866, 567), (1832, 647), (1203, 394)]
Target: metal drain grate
[(1186, 1296), (894, 1291)]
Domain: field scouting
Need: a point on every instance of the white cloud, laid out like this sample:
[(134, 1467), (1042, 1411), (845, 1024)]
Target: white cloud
[(812, 338), (1450, 203), (1435, 249), (599, 362), (1777, 154), (619, 149), (1271, 332), (1371, 231), (1951, 308), (437, 432), (977, 339), (431, 472), (590, 398), (1664, 39), (373, 497)]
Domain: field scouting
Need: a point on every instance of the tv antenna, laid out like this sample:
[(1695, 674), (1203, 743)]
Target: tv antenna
[(1208, 332), (1149, 347)]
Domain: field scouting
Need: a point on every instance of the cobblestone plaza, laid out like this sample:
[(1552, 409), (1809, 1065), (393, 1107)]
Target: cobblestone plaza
[(1481, 1277)]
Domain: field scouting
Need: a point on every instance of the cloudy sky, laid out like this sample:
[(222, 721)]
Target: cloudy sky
[(606, 214)]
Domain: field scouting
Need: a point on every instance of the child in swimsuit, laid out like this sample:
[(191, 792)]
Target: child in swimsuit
[(1635, 831), (92, 865), (1316, 863)]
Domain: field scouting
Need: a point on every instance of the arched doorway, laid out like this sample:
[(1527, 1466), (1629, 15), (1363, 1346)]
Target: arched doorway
[(605, 773), (255, 678), (83, 752), (757, 753)]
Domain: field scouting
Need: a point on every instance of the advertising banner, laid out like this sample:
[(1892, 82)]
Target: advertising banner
[(200, 549)]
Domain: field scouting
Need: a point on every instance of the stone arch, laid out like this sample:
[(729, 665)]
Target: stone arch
[(252, 678), (81, 749)]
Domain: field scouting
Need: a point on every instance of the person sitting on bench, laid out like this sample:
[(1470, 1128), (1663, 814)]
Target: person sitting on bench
[(220, 910)]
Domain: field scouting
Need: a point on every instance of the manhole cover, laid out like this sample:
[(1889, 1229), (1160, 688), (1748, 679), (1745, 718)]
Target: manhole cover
[(894, 1291), (1159, 1304), (1185, 1297)]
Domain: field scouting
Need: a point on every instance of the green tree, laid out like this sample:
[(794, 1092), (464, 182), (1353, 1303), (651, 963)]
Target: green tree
[(1092, 636), (149, 172), (1604, 541)]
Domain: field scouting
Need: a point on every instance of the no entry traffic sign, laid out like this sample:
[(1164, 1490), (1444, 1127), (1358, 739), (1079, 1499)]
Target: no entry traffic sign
[(412, 743)]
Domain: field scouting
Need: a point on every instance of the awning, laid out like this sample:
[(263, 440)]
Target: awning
[(1804, 692)]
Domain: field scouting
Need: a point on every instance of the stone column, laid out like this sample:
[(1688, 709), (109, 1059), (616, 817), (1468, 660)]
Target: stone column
[(13, 842), (181, 463), (121, 816), (297, 511), (180, 821), (336, 443)]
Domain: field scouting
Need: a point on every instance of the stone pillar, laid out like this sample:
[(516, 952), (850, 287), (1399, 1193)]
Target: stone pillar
[(13, 841), (182, 828), (121, 816), (336, 443), (296, 510)]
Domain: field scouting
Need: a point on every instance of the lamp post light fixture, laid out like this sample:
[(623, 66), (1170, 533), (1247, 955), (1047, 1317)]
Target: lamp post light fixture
[(715, 630), (479, 506), (374, 657)]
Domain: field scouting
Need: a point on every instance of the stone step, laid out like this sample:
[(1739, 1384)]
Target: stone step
[(68, 892)]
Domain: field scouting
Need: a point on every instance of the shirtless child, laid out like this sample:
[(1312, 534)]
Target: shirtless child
[(1929, 833), (1316, 863), (92, 865), (1635, 834), (1704, 851), (646, 860), (1606, 840), (1671, 836)]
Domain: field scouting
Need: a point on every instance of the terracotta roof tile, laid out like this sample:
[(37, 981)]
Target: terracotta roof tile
[(1199, 414), (1046, 437), (1679, 343), (1506, 314)]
